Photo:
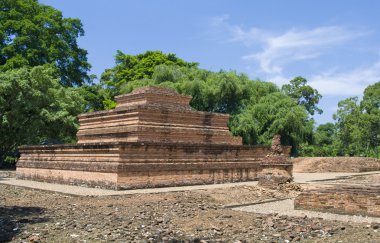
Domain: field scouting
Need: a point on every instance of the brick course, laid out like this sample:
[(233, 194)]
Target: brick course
[(355, 200)]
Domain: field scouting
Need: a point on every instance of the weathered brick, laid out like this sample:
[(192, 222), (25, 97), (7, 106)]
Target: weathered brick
[(355, 200)]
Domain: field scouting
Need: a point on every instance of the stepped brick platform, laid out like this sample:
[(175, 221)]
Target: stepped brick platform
[(354, 200), (155, 115), (153, 138)]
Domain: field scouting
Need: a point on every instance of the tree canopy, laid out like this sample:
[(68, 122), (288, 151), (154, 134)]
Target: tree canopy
[(33, 34), (259, 109), (131, 68), (303, 94), (356, 131), (34, 107)]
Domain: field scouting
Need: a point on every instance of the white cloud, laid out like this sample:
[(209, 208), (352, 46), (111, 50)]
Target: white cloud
[(334, 83), (278, 79), (270, 53), (219, 20), (248, 37), (350, 83), (294, 45), (278, 49)]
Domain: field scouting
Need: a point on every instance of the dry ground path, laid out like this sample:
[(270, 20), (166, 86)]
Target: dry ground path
[(310, 178)]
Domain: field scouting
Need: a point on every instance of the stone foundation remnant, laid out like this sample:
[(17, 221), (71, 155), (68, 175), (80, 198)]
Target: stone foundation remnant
[(153, 138), (353, 200)]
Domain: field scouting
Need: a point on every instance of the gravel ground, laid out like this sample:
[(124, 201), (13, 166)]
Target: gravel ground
[(88, 191), (28, 215)]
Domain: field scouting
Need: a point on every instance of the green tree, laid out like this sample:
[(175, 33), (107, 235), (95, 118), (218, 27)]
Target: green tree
[(303, 94), (259, 110), (370, 106), (93, 94), (225, 92), (273, 114), (356, 131), (130, 68), (33, 34), (352, 128), (34, 107), (325, 134), (325, 140), (371, 99)]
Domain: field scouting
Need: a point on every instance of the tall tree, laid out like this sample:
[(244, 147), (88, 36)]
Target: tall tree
[(325, 134), (33, 34), (370, 106), (303, 94), (356, 131), (259, 110), (130, 68), (371, 99), (326, 142), (274, 113), (34, 107), (352, 128)]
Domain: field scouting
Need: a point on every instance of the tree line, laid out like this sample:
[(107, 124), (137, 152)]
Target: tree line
[(44, 85)]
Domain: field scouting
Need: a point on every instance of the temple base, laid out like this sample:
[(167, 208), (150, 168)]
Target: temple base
[(142, 165)]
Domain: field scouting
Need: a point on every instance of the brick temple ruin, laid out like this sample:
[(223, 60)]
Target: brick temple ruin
[(153, 138)]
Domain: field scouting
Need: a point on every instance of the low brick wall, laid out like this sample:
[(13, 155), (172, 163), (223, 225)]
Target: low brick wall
[(142, 165), (354, 200)]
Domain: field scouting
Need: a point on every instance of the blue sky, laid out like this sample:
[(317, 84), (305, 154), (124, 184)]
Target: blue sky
[(335, 45)]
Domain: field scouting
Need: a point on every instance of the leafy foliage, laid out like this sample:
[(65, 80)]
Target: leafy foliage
[(93, 96), (371, 113), (350, 130), (34, 107), (259, 109), (323, 143), (130, 68), (304, 94), (33, 34), (356, 131), (274, 113)]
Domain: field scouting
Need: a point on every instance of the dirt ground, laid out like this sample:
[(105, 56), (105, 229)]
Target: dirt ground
[(28, 215), (373, 180), (335, 164)]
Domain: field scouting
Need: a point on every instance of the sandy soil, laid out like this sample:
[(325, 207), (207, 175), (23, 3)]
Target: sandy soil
[(335, 164), (373, 180)]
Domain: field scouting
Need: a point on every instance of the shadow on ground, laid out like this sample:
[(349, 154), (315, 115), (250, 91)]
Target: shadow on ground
[(13, 220)]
